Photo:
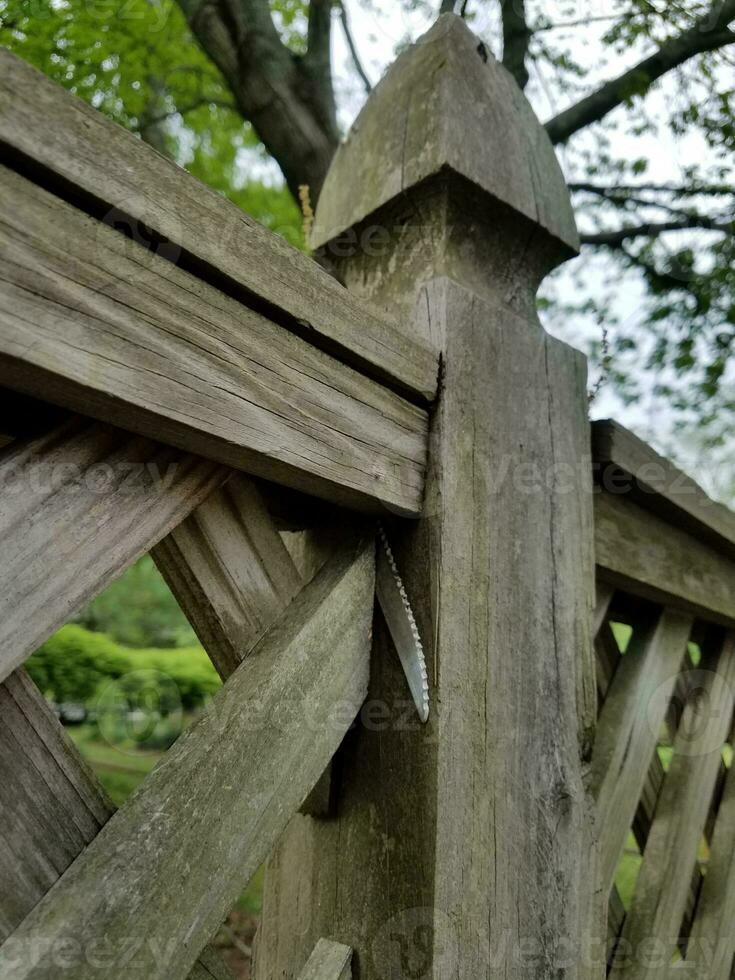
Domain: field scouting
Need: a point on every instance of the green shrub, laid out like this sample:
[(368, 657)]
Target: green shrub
[(71, 664), (77, 665)]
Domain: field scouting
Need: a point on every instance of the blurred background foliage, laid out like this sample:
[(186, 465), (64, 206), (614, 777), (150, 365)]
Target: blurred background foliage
[(137, 62)]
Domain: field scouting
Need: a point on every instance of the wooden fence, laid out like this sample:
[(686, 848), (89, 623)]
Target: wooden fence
[(178, 380)]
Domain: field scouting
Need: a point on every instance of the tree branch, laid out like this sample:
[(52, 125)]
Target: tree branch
[(617, 238), (708, 33), (183, 110), (516, 37), (353, 49), (289, 100), (690, 190), (447, 7)]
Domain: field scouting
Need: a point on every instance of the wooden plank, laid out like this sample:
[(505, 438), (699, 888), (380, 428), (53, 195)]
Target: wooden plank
[(604, 594), (229, 571), (101, 325), (659, 902), (102, 166), (233, 574), (329, 961), (207, 816), (79, 505), (211, 966), (640, 552), (51, 807), (711, 945), (629, 727), (627, 465)]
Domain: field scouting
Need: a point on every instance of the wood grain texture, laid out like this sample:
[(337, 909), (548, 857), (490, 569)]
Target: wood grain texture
[(109, 168), (449, 835), (644, 554), (625, 461), (211, 966), (51, 807), (101, 325), (711, 945), (329, 961), (629, 727), (229, 571), (659, 902), (460, 843), (431, 112), (79, 505), (208, 816)]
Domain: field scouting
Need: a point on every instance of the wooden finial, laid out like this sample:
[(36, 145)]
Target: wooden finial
[(446, 105)]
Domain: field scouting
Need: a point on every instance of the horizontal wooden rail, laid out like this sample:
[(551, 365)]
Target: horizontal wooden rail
[(99, 324), (627, 466), (99, 165), (213, 808), (644, 554)]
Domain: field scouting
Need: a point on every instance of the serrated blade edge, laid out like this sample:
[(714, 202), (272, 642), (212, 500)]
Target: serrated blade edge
[(401, 624)]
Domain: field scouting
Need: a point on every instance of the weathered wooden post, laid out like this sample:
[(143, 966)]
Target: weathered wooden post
[(465, 848)]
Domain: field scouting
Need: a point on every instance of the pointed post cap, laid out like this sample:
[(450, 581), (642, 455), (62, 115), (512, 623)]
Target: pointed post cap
[(446, 104)]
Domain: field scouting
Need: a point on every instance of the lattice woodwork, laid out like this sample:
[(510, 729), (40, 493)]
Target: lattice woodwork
[(666, 687)]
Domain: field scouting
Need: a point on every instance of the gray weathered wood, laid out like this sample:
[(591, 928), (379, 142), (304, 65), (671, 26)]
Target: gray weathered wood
[(644, 554), (103, 326), (211, 966), (104, 167), (51, 807), (629, 727), (233, 575), (170, 863), (662, 888), (603, 598), (628, 465), (711, 945), (229, 571), (423, 131), (458, 843), (329, 961), (79, 505)]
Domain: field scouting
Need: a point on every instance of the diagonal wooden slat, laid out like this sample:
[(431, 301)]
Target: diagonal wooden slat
[(329, 961), (51, 807), (229, 571), (232, 574), (211, 966), (604, 594), (608, 657), (663, 885), (171, 862), (105, 168), (79, 505), (106, 327), (711, 945), (628, 729)]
